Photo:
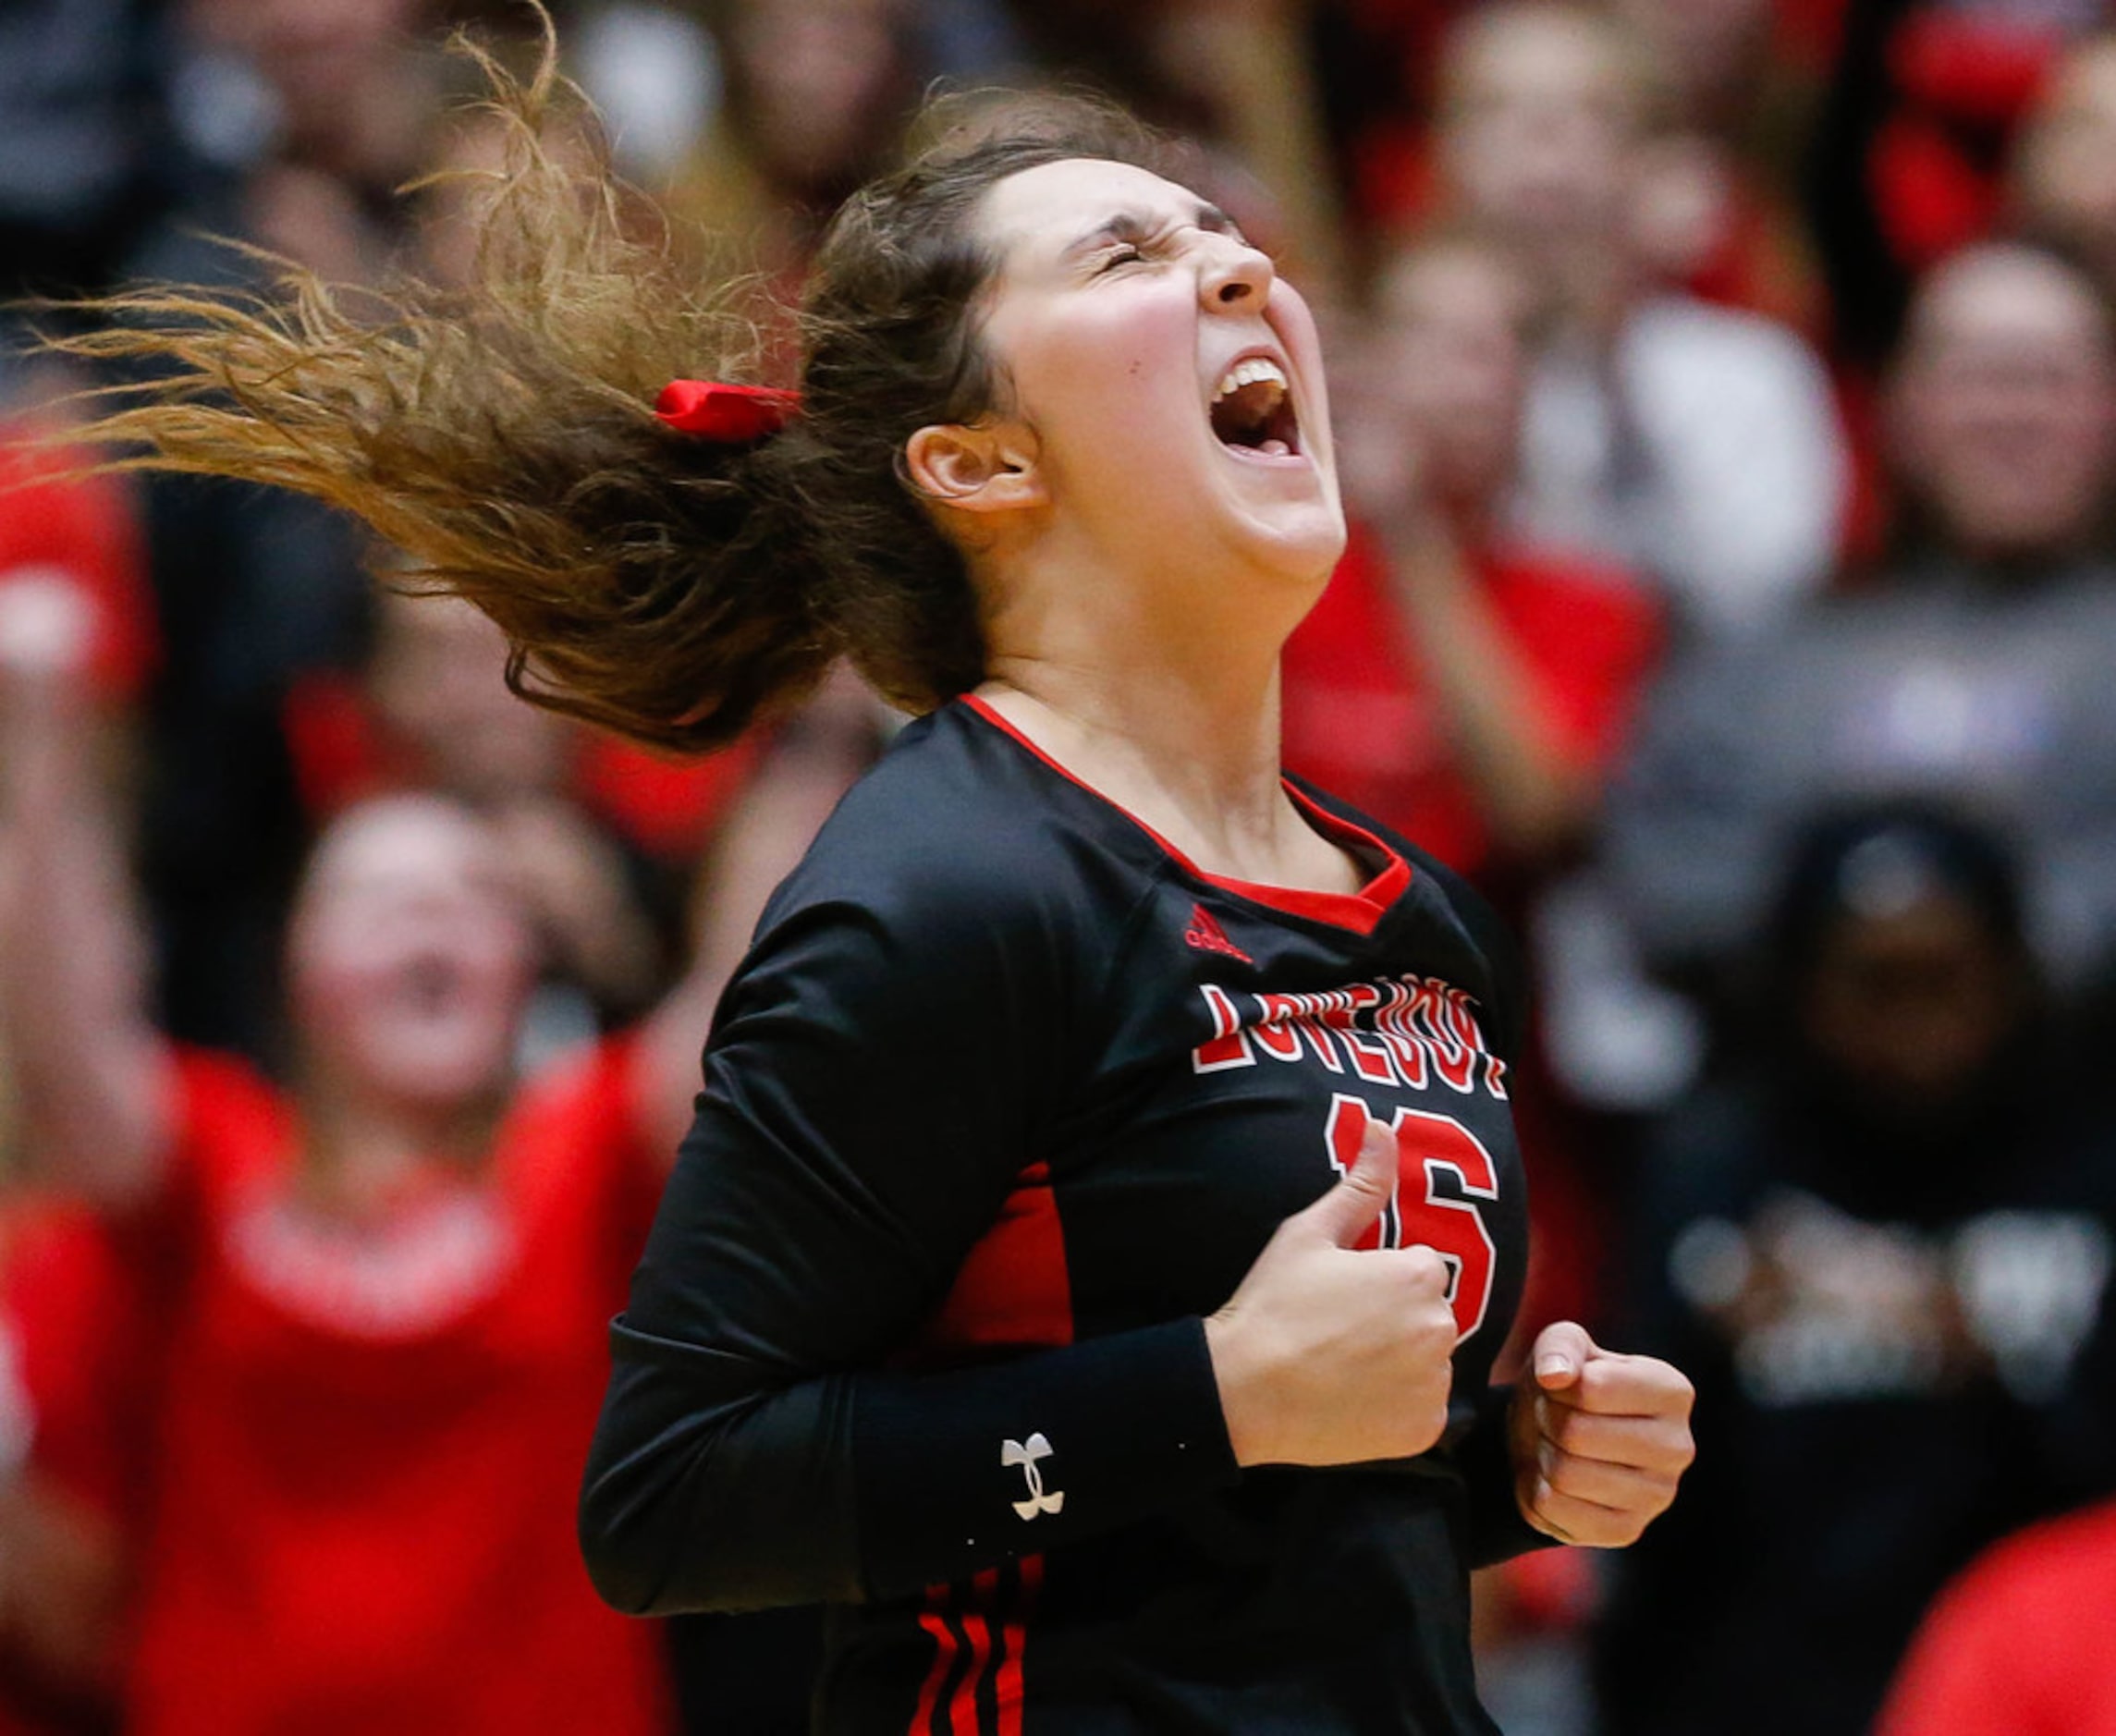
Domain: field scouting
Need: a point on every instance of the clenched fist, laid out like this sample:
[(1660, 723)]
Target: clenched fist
[(1598, 1440)]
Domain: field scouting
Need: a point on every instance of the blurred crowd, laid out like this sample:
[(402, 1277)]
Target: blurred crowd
[(1726, 395)]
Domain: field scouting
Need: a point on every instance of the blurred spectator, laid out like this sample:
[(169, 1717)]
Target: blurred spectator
[(2064, 170), (432, 711), (1237, 79), (378, 1300), (1461, 685), (1908, 159), (815, 94), (1974, 667), (1374, 62), (1878, 1248), (1716, 206), (85, 154), (313, 113), (429, 708), (2019, 1643), (1697, 443), (69, 555), (654, 75)]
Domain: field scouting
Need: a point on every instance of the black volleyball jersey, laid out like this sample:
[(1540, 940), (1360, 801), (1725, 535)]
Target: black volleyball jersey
[(1007, 1096)]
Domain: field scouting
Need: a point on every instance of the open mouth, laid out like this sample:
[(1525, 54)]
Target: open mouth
[(1253, 409), (428, 987)]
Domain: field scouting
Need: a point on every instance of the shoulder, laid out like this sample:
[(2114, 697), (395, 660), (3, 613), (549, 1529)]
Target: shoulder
[(1496, 943), (959, 831), (2001, 1647), (581, 1096), (2009, 1625), (2069, 1563), (961, 881)]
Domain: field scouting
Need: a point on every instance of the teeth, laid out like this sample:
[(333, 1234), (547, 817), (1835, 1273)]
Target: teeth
[(1256, 370)]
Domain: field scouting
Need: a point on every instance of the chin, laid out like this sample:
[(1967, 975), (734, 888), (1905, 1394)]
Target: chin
[(1305, 547), (440, 1084)]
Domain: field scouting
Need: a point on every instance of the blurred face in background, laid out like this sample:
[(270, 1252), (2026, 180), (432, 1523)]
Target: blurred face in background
[(1451, 353), (438, 683), (1540, 112), (339, 69), (2064, 169), (410, 960), (1708, 51), (1911, 1004), (2002, 412), (818, 84)]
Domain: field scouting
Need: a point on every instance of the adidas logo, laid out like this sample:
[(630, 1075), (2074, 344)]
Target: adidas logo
[(1206, 933)]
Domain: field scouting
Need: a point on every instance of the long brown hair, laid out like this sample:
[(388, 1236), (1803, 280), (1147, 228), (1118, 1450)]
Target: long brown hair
[(503, 436)]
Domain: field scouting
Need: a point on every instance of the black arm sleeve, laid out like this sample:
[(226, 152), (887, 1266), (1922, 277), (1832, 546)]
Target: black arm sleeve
[(874, 1086)]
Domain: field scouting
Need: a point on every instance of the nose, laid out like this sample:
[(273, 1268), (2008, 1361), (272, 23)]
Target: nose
[(1236, 275)]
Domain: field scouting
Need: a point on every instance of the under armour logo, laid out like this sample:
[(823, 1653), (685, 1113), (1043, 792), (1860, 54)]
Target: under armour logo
[(1025, 1454)]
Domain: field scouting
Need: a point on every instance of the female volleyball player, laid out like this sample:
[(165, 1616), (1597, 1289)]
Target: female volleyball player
[(1086, 1267)]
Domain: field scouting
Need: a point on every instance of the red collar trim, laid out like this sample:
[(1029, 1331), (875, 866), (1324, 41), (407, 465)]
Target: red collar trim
[(1360, 911)]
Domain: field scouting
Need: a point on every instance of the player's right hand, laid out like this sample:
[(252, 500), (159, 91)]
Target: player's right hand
[(1325, 1355)]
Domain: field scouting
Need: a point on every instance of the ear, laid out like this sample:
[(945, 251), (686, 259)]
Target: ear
[(990, 467)]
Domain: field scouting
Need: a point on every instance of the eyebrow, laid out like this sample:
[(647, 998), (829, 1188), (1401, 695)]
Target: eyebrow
[(1136, 226)]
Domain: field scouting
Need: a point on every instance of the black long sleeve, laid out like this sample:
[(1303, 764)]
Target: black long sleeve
[(872, 1095)]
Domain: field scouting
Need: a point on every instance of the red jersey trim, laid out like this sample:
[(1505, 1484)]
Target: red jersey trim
[(1360, 911)]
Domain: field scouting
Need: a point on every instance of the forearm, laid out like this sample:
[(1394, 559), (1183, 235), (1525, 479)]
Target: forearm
[(1535, 800), (705, 1492), (1256, 66), (88, 1064)]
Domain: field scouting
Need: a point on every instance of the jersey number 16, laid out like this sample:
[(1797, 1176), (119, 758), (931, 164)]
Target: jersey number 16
[(1441, 1172)]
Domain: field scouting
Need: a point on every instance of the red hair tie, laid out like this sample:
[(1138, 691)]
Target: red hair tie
[(732, 415)]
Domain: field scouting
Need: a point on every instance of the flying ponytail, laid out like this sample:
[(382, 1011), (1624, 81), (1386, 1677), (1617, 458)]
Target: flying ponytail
[(503, 436)]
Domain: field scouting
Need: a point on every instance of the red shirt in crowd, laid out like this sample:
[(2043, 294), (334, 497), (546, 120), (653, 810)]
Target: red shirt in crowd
[(2020, 1643), (81, 529), (70, 1379), (1362, 721), (370, 1437)]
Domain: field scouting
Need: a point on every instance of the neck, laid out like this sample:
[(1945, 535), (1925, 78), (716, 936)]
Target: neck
[(1175, 721), (362, 1152)]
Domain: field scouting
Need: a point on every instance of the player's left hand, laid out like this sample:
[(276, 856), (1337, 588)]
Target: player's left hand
[(1598, 1440)]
